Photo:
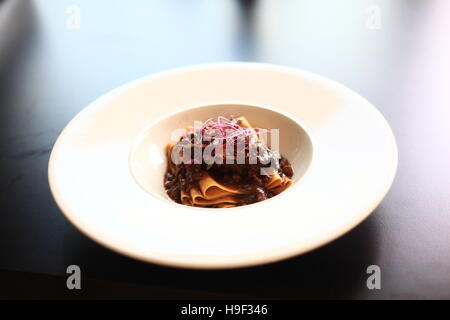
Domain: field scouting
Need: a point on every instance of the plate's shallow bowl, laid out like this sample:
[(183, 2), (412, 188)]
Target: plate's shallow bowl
[(148, 159), (96, 166)]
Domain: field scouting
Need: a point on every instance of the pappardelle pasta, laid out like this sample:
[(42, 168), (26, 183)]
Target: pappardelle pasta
[(224, 163)]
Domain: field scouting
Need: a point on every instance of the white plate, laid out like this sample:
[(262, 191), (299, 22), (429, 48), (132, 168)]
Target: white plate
[(353, 165)]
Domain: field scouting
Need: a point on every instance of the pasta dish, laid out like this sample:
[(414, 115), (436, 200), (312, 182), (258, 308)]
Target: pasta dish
[(222, 163)]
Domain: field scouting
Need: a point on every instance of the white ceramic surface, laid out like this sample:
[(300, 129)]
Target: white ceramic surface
[(354, 159)]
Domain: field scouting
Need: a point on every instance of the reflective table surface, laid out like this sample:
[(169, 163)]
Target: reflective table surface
[(55, 58)]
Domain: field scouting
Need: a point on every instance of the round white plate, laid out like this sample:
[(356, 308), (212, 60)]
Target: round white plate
[(353, 165)]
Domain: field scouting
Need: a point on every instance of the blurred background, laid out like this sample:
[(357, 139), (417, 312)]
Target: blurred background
[(58, 56)]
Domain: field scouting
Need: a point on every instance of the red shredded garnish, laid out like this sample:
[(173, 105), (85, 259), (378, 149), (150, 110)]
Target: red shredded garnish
[(226, 129)]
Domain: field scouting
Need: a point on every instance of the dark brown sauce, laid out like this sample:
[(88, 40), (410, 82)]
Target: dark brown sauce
[(244, 177)]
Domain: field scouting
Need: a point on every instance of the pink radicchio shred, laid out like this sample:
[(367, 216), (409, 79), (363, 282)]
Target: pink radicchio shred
[(223, 124)]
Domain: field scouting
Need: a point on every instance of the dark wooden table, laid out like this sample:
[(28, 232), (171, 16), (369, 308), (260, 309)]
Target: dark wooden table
[(57, 56)]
